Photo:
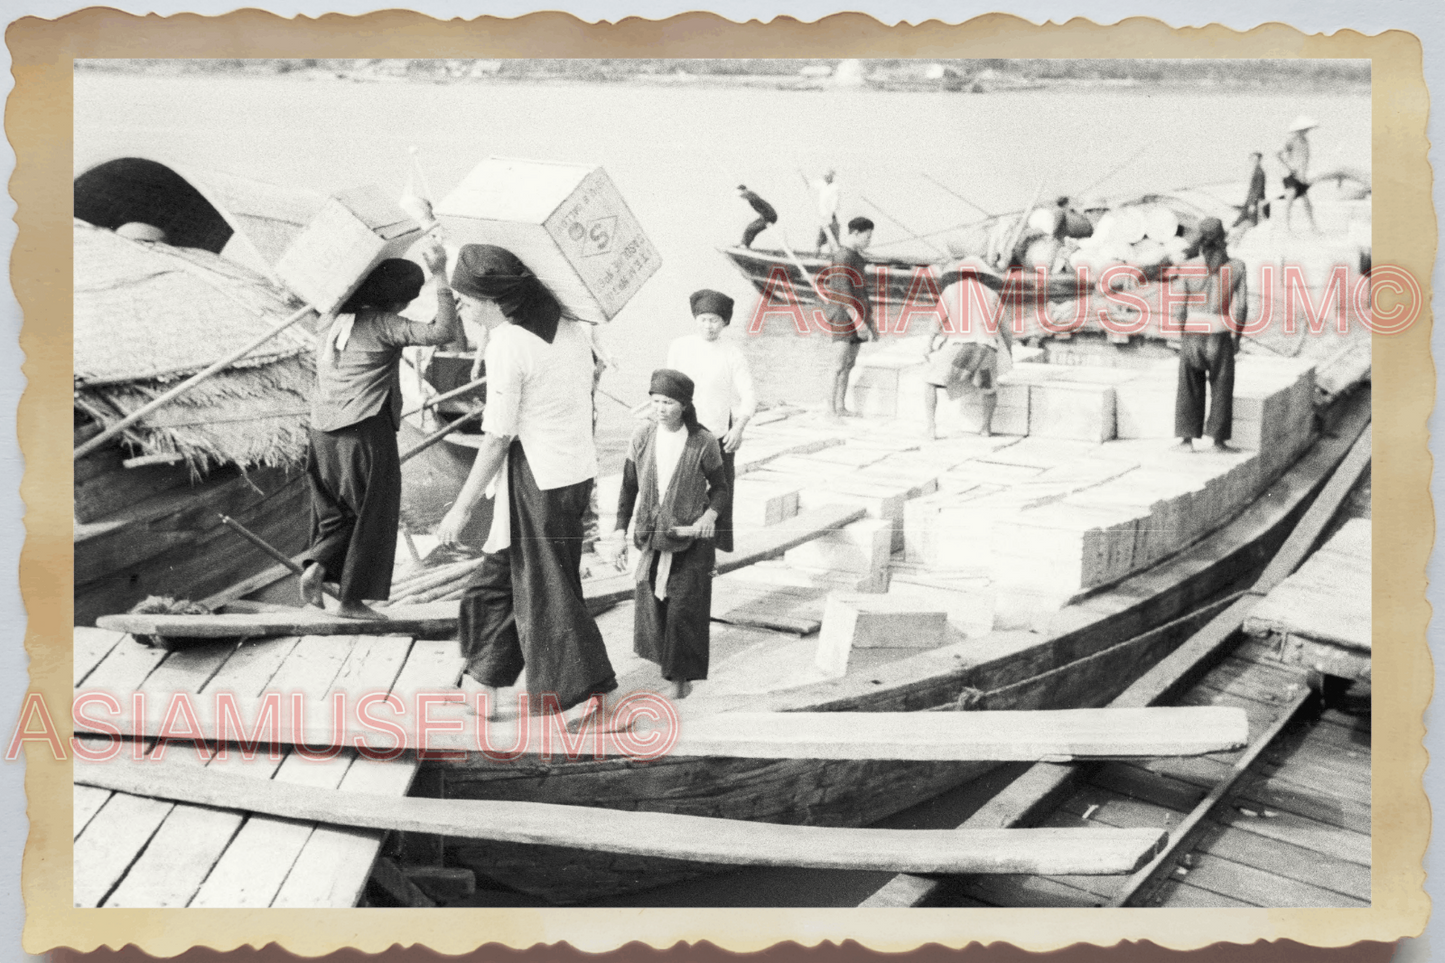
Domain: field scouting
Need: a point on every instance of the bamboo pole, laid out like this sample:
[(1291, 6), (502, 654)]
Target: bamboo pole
[(956, 194), (266, 547), (439, 434), (445, 396), (185, 386), (914, 235)]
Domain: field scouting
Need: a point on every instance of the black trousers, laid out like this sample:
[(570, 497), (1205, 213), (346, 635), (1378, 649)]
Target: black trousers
[(824, 232), (753, 230), (723, 542), (1205, 358), (355, 478), (524, 606)]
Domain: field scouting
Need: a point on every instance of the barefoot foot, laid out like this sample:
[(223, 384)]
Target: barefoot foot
[(681, 689), (311, 578), (359, 610)]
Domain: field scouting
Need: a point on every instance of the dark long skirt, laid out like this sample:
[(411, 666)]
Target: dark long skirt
[(724, 539), (355, 479), (524, 606), (674, 632), (1205, 358)]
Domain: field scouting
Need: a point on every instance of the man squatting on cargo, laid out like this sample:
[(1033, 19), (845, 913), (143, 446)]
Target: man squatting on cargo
[(352, 465), (524, 606), (849, 312), (673, 482), (1209, 354)]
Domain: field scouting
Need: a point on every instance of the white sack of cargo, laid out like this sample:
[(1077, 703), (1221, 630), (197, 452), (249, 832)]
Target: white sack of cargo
[(352, 233), (567, 222)]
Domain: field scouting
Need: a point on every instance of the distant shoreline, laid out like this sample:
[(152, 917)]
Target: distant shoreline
[(940, 76)]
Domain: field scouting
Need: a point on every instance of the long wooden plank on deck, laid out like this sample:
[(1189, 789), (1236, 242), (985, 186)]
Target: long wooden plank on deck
[(1044, 851), (440, 618), (932, 736)]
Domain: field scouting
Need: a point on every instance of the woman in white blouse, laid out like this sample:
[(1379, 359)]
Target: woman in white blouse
[(723, 394)]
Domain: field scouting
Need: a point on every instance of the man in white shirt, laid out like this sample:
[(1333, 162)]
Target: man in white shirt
[(723, 393), (829, 195), (524, 607)]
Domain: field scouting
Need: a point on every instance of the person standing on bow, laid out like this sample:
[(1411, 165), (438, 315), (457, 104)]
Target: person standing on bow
[(1249, 211), (674, 485), (524, 606), (723, 392), (848, 313), (829, 195), (1296, 157), (352, 466), (1210, 340)]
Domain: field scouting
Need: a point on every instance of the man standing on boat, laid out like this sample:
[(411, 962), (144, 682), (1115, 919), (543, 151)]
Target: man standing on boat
[(848, 312), (971, 352), (1296, 157), (829, 195), (524, 606), (766, 215), (352, 465), (1249, 211), (1212, 329)]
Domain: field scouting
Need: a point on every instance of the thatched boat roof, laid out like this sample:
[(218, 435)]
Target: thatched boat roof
[(148, 315), (248, 221)]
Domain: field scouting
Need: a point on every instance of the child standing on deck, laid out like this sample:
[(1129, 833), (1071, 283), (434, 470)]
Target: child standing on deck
[(674, 482)]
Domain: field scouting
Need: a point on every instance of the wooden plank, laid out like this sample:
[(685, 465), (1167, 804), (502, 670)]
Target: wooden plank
[(934, 736), (111, 841), (86, 802), (1288, 860), (1175, 894), (398, 888), (1044, 851), (125, 667), (1183, 835), (1260, 888), (1330, 842), (185, 848), (91, 646), (333, 865), (255, 864), (440, 618)]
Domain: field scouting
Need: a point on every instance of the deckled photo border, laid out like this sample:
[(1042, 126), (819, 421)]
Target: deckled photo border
[(38, 123)]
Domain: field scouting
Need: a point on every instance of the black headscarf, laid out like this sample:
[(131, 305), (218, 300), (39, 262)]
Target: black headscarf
[(708, 301), (673, 384), (491, 273), (1211, 245), (393, 281)]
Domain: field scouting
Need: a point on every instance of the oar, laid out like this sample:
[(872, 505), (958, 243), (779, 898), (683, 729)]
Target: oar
[(956, 194), (185, 386), (1129, 160), (914, 235), (634, 409), (267, 547), (1019, 227), (445, 396), (439, 434)]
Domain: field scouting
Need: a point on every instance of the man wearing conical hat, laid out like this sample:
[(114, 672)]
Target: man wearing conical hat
[(1296, 158)]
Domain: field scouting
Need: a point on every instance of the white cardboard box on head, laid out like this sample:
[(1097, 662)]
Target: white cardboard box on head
[(352, 233), (567, 222)]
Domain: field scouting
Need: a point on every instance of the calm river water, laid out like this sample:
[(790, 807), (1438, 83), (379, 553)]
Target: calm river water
[(677, 153)]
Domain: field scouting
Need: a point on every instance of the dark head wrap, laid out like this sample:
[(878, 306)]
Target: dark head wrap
[(393, 281), (1211, 243), (673, 384), (860, 224), (491, 273), (712, 302)]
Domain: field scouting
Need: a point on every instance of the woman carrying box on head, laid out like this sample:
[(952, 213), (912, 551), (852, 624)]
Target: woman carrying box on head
[(352, 464), (673, 481)]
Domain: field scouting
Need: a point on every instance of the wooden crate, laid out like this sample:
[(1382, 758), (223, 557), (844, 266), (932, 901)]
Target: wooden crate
[(352, 233), (567, 222)]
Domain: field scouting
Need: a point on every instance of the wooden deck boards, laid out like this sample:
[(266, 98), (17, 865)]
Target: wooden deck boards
[(138, 851), (1295, 832)]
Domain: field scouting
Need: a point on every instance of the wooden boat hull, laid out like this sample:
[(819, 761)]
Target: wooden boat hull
[(171, 543), (1109, 639)]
